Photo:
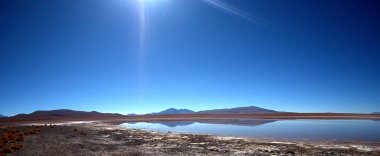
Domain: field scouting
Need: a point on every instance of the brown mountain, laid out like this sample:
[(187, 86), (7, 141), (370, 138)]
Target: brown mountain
[(173, 111), (238, 110), (63, 113)]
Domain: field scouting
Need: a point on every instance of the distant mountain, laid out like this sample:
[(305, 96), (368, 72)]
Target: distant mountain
[(2, 116), (62, 113), (376, 113), (133, 114), (238, 110), (173, 111)]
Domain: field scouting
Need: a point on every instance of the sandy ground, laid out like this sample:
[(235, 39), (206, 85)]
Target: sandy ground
[(104, 139)]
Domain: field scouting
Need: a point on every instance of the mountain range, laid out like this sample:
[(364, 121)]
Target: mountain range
[(68, 114), (64, 113), (2, 116), (238, 110), (173, 111)]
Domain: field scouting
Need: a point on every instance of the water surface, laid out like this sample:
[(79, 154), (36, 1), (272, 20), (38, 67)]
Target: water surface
[(315, 130)]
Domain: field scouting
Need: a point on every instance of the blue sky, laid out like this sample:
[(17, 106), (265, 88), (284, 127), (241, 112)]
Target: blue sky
[(140, 56)]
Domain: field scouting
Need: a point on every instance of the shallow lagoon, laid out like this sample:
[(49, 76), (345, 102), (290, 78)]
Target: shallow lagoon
[(315, 130)]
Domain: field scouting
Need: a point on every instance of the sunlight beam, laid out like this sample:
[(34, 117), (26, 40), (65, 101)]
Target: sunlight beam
[(229, 9)]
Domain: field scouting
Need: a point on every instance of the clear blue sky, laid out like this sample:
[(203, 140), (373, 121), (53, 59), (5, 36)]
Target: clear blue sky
[(140, 56)]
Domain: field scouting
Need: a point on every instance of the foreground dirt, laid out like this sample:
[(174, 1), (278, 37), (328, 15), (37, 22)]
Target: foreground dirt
[(101, 139)]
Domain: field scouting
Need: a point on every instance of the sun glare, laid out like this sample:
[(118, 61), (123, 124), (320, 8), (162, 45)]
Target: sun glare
[(146, 1)]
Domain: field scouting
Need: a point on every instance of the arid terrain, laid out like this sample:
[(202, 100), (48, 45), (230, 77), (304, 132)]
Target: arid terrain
[(69, 133), (97, 138)]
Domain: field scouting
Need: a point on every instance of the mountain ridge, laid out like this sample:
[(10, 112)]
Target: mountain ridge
[(62, 113), (173, 111), (238, 110)]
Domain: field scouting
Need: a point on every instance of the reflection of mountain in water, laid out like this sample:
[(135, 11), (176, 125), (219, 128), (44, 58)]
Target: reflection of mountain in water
[(241, 122), (175, 123)]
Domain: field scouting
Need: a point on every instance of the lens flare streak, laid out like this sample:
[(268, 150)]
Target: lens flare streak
[(229, 9)]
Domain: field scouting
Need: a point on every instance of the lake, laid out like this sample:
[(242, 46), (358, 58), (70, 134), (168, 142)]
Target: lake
[(314, 130)]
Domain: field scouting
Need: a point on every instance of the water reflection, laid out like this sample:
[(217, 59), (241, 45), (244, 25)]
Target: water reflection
[(170, 123), (242, 122), (337, 130)]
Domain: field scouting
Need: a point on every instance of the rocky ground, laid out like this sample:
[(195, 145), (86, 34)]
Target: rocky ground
[(102, 139)]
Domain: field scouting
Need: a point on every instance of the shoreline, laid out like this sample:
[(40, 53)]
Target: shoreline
[(99, 138), (117, 123), (193, 117)]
